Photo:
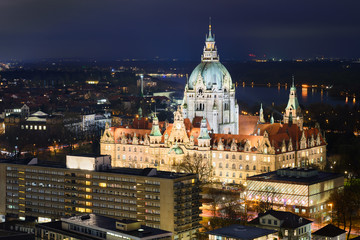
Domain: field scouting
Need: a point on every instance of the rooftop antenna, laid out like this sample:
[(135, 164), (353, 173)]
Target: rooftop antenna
[(293, 80)]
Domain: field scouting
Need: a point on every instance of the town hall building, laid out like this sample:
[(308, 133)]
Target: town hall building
[(208, 125)]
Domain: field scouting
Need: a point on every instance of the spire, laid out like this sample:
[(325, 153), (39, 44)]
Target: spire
[(293, 83), (210, 27), (261, 117), (272, 119), (210, 52)]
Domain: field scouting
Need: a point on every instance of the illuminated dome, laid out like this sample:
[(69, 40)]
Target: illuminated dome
[(212, 73)]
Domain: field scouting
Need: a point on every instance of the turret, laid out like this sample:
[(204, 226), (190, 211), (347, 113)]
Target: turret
[(272, 119), (155, 134), (204, 138), (261, 115), (210, 50), (293, 111)]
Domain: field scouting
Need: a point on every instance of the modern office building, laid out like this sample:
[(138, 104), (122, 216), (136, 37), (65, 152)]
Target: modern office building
[(304, 191), (288, 225), (44, 192), (92, 226)]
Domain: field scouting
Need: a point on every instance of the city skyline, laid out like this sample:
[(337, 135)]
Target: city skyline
[(145, 30)]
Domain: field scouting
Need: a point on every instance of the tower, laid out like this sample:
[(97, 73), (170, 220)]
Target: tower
[(293, 113), (204, 137), (210, 93)]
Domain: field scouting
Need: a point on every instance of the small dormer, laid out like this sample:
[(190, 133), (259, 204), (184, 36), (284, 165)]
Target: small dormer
[(318, 140), (123, 138), (220, 145), (247, 147), (312, 141), (283, 146), (303, 141), (146, 140), (233, 146), (135, 140), (290, 145)]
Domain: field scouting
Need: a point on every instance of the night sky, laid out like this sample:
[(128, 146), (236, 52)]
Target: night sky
[(175, 29)]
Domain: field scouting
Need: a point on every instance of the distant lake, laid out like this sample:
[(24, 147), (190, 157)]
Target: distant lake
[(280, 95)]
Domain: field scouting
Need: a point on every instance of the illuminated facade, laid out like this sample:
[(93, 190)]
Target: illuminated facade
[(304, 191), (202, 125), (233, 157), (210, 92), (165, 200)]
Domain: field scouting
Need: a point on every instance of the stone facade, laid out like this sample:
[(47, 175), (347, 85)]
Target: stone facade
[(208, 124), (210, 93)]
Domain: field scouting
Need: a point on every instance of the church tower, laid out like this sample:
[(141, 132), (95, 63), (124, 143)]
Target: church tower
[(293, 113), (210, 93)]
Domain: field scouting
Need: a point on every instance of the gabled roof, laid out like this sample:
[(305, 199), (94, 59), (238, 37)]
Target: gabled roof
[(329, 231), (287, 219)]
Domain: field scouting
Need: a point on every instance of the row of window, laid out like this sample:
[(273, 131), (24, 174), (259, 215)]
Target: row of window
[(35, 127)]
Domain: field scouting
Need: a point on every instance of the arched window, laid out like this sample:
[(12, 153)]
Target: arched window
[(227, 156), (227, 165), (123, 148), (247, 167), (233, 156), (240, 157), (254, 167), (227, 174), (240, 166), (220, 165), (233, 174), (233, 166), (135, 158), (134, 149)]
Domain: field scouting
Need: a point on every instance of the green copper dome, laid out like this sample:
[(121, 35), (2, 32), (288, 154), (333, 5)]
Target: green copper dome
[(213, 73), (176, 149)]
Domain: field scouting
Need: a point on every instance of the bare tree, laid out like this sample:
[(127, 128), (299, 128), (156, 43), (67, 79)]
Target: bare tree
[(346, 204), (197, 165)]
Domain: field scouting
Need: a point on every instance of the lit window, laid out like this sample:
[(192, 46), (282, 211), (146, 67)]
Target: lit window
[(247, 157), (254, 158), (44, 127)]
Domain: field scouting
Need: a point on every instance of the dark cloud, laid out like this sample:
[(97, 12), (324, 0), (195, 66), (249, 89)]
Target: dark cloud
[(116, 29)]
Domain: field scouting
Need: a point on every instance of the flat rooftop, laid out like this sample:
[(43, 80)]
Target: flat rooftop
[(302, 176), (242, 232), (147, 172), (107, 223)]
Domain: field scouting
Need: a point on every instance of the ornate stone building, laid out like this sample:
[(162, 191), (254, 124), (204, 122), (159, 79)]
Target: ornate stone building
[(208, 124), (210, 92)]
